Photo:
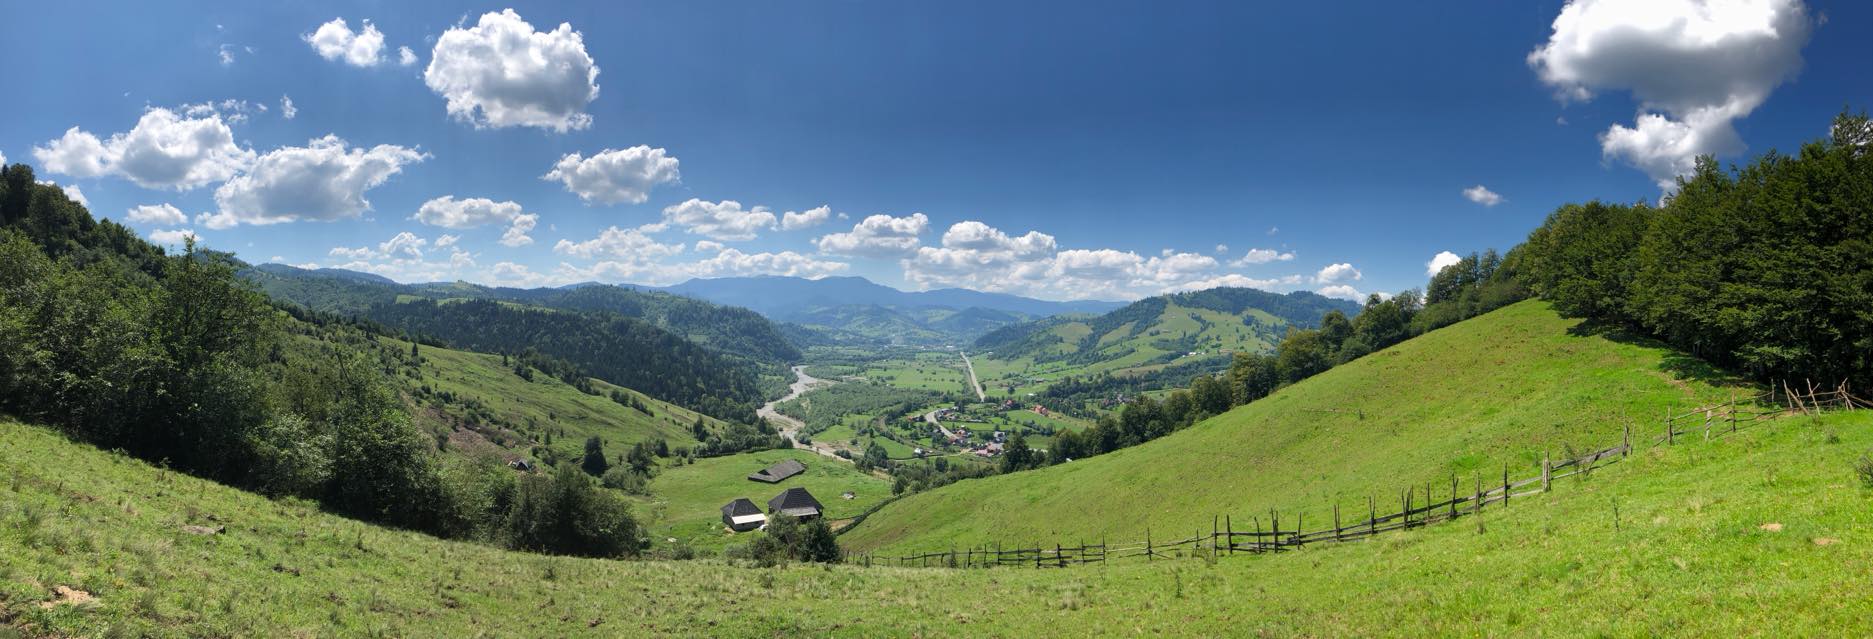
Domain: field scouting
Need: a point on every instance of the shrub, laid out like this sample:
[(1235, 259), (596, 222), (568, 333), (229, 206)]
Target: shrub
[(1863, 467)]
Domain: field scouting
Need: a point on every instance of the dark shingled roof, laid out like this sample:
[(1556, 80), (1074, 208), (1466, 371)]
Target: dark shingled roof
[(793, 498), (775, 473), (740, 507)]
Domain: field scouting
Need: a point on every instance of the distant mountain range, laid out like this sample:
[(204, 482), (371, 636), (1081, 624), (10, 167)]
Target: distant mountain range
[(776, 296)]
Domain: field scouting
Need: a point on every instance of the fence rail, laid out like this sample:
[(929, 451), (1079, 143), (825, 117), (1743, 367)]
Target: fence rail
[(1415, 506)]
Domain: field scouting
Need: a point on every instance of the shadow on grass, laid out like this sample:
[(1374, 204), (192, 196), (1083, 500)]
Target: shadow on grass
[(1680, 365)]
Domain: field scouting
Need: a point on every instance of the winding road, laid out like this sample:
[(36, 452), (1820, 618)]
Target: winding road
[(790, 427)]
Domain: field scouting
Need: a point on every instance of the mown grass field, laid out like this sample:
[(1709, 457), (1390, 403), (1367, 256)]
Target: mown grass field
[(1465, 400), (1686, 554), (686, 500)]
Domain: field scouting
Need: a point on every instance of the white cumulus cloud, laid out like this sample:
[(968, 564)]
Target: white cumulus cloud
[(810, 218), (406, 57), (516, 233), (725, 220), (615, 175), (1261, 256), (1342, 291), (322, 181), (615, 242), (877, 236), (1695, 66), (159, 214), (1336, 273), (466, 213), (336, 41), (287, 110), (1439, 261), (163, 151), (502, 73), (1482, 195), (174, 237)]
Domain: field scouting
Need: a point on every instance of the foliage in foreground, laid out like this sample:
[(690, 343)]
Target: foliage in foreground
[(174, 359)]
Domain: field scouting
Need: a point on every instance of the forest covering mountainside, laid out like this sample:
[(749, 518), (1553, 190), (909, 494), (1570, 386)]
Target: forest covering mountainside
[(726, 329)]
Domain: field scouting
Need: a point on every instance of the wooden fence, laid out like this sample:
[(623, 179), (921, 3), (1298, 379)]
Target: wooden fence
[(1416, 506)]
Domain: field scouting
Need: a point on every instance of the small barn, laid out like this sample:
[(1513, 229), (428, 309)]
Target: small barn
[(777, 472), (741, 515), (794, 502)]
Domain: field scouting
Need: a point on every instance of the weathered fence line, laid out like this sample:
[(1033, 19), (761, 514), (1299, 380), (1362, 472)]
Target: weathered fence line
[(1414, 509)]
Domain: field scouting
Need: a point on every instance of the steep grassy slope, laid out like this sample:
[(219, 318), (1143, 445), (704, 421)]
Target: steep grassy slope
[(479, 399), (1464, 400), (687, 500), (1667, 543)]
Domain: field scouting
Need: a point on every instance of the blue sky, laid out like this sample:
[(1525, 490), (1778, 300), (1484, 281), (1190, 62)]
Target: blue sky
[(1060, 150)]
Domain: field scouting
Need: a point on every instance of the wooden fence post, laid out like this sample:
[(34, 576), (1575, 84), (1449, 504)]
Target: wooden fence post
[(1626, 439), (1546, 466), (1298, 531), (1372, 516), (1336, 520), (1733, 411), (1670, 437), (1213, 519), (1229, 528), (1505, 483), (1453, 496), (1148, 555)]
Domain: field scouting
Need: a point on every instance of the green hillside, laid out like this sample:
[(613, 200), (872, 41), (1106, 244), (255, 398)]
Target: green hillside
[(1187, 332), (479, 399), (1675, 532), (1466, 399)]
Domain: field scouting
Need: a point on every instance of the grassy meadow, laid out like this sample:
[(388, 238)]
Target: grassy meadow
[(686, 500), (1651, 546), (1464, 400)]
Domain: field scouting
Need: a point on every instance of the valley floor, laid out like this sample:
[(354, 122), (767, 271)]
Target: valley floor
[(1760, 533)]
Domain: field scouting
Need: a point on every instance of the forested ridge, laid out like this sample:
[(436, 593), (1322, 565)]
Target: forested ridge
[(728, 330), (621, 350)]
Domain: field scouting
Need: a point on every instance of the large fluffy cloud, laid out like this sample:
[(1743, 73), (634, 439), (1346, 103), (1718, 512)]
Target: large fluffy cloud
[(1695, 66), (466, 213), (615, 175), (336, 41), (324, 180), (877, 236), (725, 220), (502, 73), (163, 151), (1439, 261)]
